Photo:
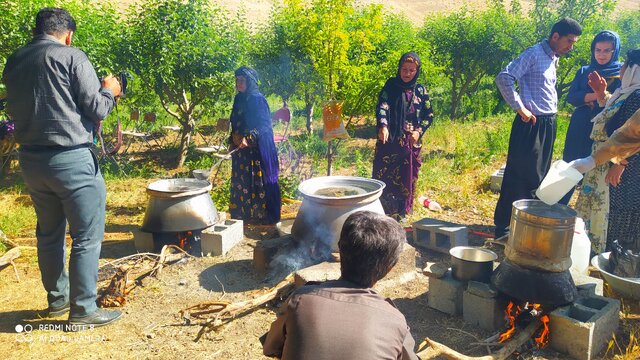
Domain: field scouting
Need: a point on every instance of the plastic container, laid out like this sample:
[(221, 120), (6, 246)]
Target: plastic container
[(429, 204), (580, 249), (559, 180)]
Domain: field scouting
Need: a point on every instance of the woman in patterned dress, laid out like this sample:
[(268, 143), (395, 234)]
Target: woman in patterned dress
[(255, 193), (609, 200), (403, 114)]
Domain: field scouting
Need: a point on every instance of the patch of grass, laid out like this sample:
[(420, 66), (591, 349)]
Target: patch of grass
[(20, 220)]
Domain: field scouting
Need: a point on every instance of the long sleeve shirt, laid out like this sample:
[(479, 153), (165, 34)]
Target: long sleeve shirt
[(338, 320), (535, 72), (53, 94)]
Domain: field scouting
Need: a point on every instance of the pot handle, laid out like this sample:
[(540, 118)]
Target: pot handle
[(502, 240)]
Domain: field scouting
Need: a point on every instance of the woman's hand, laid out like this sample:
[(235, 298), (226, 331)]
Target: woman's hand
[(598, 84), (243, 143), (237, 139), (383, 134), (415, 135), (614, 174)]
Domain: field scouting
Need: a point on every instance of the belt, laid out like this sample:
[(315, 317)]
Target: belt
[(37, 148)]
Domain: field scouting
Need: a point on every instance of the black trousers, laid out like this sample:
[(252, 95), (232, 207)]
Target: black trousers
[(528, 160)]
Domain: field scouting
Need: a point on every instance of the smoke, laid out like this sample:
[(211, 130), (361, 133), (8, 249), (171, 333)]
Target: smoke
[(309, 247)]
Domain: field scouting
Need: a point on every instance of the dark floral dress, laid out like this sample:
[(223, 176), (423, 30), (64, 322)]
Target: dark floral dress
[(397, 163)]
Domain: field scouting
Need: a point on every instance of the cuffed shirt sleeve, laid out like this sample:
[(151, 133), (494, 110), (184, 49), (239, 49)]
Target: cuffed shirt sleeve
[(93, 101), (407, 347)]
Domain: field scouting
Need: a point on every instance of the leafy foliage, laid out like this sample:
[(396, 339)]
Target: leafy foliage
[(185, 52)]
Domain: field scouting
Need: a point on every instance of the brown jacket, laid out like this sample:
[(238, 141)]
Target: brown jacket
[(339, 320), (623, 143)]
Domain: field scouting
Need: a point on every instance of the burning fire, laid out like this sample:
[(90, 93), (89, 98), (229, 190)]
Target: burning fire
[(512, 313), (183, 239)]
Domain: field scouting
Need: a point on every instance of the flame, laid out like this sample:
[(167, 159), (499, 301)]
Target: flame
[(510, 314), (183, 239), (543, 338)]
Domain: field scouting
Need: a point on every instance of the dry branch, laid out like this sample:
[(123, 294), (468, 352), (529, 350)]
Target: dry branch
[(9, 256), (508, 349), (223, 312), (136, 266)]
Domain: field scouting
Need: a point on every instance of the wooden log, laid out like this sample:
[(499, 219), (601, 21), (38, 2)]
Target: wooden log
[(9, 256), (508, 349)]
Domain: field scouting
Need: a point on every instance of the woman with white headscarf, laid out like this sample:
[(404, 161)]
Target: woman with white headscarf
[(609, 200)]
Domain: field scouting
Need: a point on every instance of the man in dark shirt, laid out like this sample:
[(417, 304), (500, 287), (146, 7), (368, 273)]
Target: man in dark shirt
[(346, 318), (56, 100)]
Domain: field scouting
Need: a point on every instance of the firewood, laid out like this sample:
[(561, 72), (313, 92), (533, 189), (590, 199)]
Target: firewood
[(508, 349), (9, 256), (223, 312)]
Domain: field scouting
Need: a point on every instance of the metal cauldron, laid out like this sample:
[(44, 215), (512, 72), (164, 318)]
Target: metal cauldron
[(540, 235), (328, 201), (179, 205)]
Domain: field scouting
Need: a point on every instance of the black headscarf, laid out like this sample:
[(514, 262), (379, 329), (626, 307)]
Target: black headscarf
[(612, 68), (395, 89), (252, 79)]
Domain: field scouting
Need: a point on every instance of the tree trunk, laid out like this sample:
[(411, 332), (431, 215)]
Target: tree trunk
[(454, 98), (309, 112), (185, 140)]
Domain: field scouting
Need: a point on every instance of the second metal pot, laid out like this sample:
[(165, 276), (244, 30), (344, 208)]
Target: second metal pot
[(540, 235), (469, 263), (179, 205)]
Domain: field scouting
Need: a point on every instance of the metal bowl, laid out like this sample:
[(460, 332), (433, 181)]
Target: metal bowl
[(627, 287), (471, 263)]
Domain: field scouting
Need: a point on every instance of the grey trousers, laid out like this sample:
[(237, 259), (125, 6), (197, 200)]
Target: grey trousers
[(67, 186)]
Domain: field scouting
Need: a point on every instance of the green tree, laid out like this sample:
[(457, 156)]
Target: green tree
[(281, 59), (472, 45), (186, 52), (95, 33)]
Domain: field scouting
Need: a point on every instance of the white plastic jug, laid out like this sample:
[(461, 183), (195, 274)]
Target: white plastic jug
[(559, 180), (580, 249)]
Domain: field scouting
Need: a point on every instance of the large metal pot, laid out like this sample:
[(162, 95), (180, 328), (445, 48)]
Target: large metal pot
[(469, 263), (540, 235), (179, 205), (328, 201)]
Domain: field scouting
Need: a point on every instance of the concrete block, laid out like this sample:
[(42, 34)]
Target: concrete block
[(481, 289), (320, 272), (402, 272), (436, 270), (582, 279), (481, 307), (143, 241), (583, 329), (445, 294), (439, 235), (220, 238), (496, 179), (266, 250)]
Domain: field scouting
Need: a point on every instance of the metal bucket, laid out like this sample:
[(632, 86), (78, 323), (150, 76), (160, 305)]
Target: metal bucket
[(540, 235), (323, 212), (179, 205)]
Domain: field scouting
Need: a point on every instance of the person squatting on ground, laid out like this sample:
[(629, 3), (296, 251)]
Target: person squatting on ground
[(56, 100), (403, 115), (533, 131), (346, 318)]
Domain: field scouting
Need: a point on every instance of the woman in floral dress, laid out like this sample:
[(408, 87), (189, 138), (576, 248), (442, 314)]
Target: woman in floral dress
[(609, 200), (403, 115), (255, 193)]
